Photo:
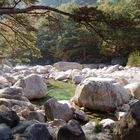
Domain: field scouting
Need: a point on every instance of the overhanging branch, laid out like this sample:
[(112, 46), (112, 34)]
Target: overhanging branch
[(32, 9)]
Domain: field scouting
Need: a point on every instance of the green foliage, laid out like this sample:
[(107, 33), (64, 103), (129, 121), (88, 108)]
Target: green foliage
[(67, 41), (116, 23), (123, 27), (61, 90), (134, 59), (111, 28), (17, 34)]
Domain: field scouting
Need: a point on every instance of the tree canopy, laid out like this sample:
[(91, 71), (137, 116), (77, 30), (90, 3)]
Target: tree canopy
[(115, 24)]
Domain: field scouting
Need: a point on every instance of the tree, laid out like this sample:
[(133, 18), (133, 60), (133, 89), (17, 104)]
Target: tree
[(96, 20), (69, 42), (18, 33)]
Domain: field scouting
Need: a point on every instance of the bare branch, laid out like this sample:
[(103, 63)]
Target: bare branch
[(32, 9)]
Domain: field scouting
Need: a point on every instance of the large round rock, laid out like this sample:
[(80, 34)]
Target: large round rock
[(33, 86), (100, 94)]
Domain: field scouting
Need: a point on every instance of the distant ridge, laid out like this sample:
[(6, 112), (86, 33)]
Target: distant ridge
[(56, 3)]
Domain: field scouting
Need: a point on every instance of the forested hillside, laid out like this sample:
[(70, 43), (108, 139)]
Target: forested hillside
[(116, 34), (81, 31)]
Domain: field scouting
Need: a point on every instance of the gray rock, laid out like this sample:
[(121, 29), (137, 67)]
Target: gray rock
[(34, 87), (54, 126), (8, 117), (33, 115), (107, 123), (104, 136), (128, 128), (77, 79), (5, 132), (81, 116), (37, 132), (14, 96), (56, 110), (63, 66), (4, 82), (100, 94), (89, 130), (21, 127), (71, 131)]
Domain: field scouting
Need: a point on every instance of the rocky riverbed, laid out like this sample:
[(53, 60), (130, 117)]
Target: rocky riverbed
[(108, 89)]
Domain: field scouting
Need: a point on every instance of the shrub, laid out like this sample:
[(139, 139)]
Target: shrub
[(134, 59)]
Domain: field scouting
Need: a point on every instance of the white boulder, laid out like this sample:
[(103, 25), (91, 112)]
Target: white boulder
[(134, 89), (107, 123), (3, 82), (34, 87), (100, 94), (63, 66)]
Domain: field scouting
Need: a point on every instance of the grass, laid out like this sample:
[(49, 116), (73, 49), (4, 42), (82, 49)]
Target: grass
[(97, 116), (58, 90)]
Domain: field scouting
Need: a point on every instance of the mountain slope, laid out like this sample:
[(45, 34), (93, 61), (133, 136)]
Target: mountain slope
[(59, 2)]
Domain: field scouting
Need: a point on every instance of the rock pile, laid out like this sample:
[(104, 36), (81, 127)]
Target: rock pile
[(99, 87)]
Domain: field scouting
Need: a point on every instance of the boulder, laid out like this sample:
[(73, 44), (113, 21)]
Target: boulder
[(71, 131), (33, 85), (5, 132), (7, 68), (21, 127), (43, 69), (77, 79), (134, 89), (128, 128), (11, 79), (8, 117), (112, 69), (37, 132), (56, 110), (81, 116), (61, 76), (100, 94), (107, 123), (20, 68), (121, 81), (54, 126), (104, 136), (63, 66), (34, 115), (89, 130), (124, 108), (4, 82), (13, 96)]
